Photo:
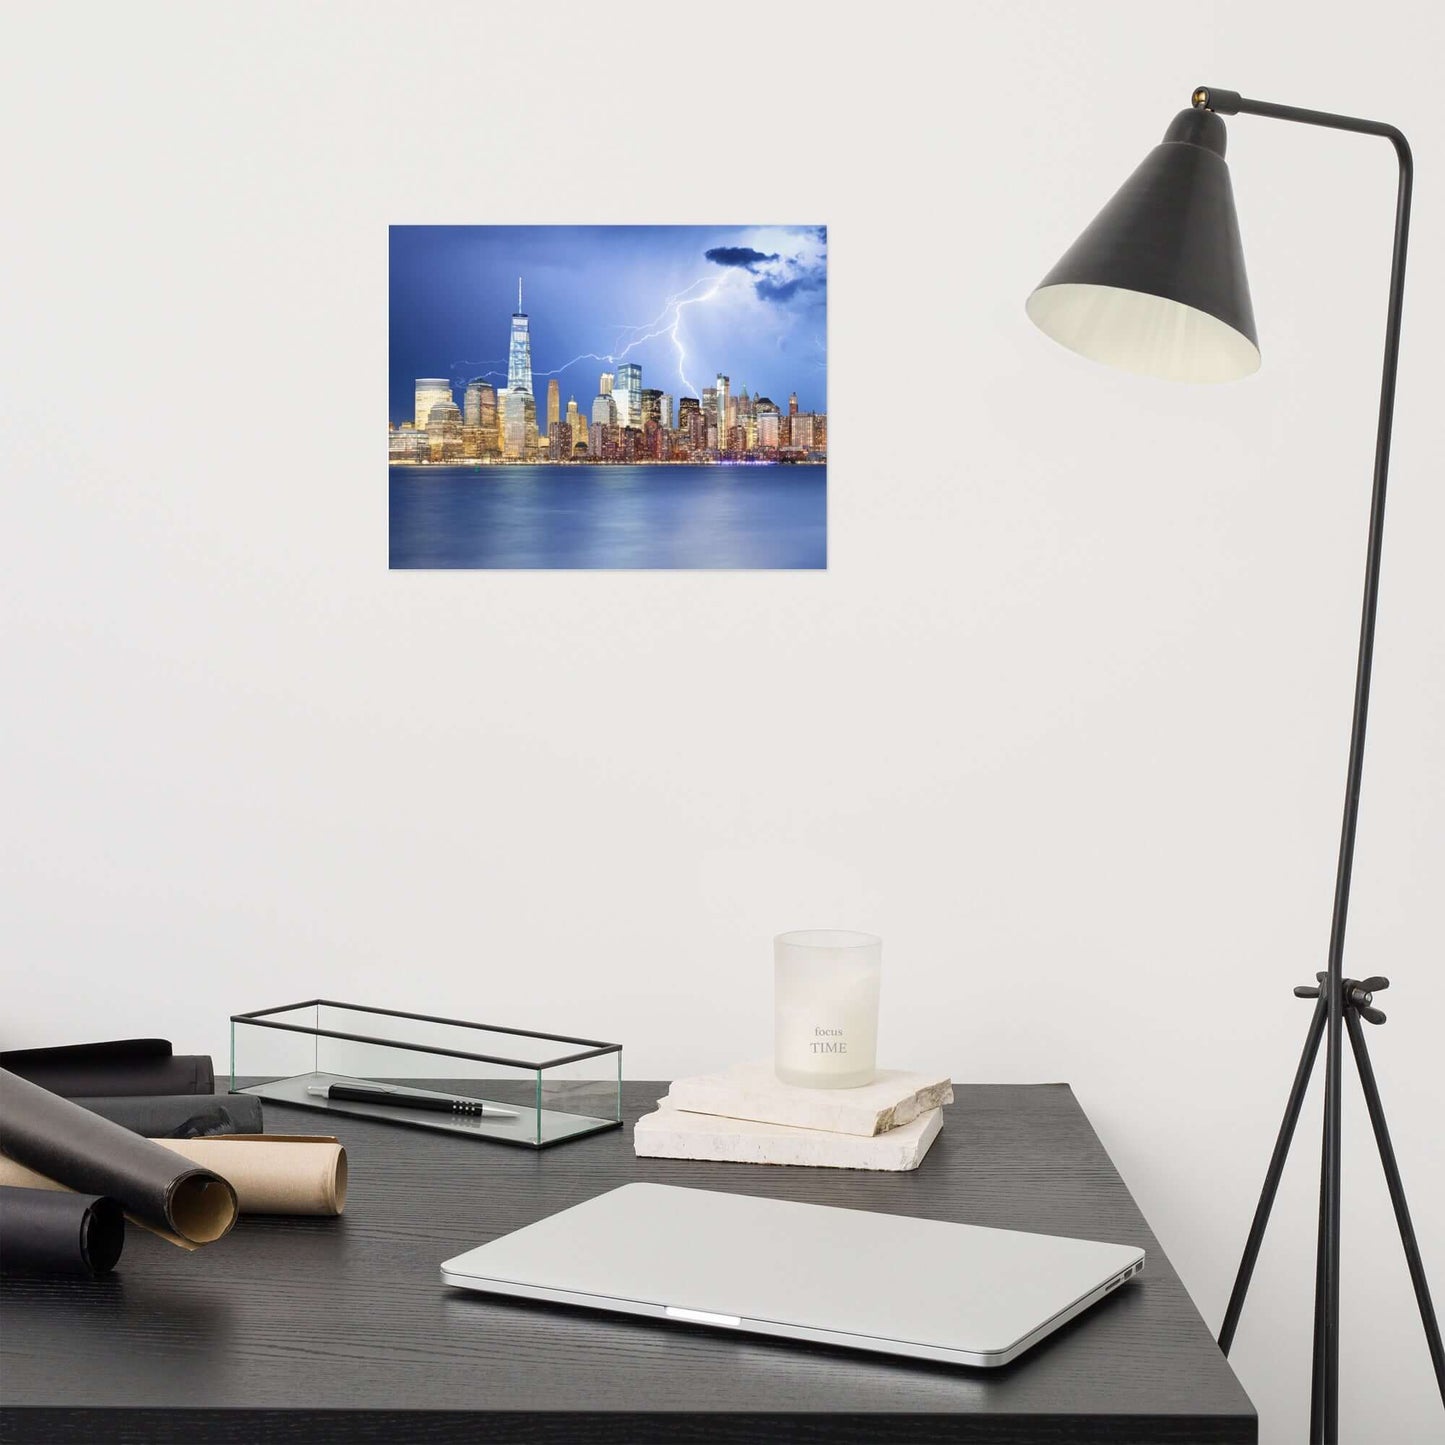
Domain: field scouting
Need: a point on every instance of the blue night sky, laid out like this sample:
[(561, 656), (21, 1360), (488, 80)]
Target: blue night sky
[(683, 301)]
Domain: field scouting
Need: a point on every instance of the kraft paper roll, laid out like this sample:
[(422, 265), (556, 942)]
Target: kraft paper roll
[(81, 1151), (114, 1067), (180, 1116), (42, 1232), (271, 1173), (274, 1173)]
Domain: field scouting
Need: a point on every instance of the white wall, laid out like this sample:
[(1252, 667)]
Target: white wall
[(1065, 720)]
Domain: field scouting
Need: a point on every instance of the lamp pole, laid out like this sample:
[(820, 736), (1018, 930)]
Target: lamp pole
[(1156, 284), (1338, 1001)]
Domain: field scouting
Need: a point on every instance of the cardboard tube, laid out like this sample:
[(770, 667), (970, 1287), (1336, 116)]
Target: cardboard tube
[(78, 1150), (274, 1173), (271, 1173)]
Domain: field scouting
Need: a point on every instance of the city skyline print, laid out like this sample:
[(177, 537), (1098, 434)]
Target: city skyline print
[(608, 397)]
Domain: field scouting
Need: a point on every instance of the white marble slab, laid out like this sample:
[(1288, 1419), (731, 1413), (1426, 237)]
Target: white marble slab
[(673, 1133), (752, 1091)]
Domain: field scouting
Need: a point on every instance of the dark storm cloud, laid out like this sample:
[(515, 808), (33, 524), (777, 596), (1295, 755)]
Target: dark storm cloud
[(743, 256), (786, 290)]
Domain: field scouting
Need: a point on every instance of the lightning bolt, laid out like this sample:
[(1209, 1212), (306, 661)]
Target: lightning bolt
[(659, 319), (677, 340), (660, 325), (586, 356)]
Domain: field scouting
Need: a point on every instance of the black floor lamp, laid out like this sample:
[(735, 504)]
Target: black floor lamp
[(1156, 285)]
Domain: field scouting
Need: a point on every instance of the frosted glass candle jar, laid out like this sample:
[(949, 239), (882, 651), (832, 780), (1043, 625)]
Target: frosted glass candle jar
[(825, 1033)]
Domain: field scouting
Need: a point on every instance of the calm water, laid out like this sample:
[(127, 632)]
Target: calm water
[(609, 516)]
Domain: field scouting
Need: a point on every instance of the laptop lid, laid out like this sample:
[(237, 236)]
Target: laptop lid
[(883, 1282)]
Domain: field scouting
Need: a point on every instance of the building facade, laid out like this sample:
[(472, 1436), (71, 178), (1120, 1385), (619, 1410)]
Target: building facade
[(430, 392), (519, 350), (519, 425), (722, 406), (407, 444), (444, 432), (627, 392)]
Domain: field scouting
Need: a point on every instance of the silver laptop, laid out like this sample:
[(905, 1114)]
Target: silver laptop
[(898, 1286)]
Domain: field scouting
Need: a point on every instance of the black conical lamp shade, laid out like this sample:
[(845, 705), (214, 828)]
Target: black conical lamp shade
[(1156, 284)]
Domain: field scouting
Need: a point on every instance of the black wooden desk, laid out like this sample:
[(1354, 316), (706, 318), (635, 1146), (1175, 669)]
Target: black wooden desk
[(300, 1330)]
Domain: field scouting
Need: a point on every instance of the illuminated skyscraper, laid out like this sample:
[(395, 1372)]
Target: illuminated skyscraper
[(444, 432), (554, 406), (768, 424), (721, 418), (604, 384), (488, 420), (430, 391), (604, 410), (667, 410), (793, 403), (407, 444), (652, 407), (628, 394), (689, 422), (708, 414), (519, 353), (519, 424), (480, 405), (575, 423), (692, 424)]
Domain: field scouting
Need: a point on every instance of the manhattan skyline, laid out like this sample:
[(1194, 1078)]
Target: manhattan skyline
[(684, 302)]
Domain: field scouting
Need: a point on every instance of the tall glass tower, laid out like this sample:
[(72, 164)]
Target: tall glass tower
[(519, 353), (628, 391), (723, 418)]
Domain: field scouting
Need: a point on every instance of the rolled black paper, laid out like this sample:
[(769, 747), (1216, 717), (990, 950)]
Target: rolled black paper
[(181, 1116), (117, 1066), (155, 1186), (46, 1231)]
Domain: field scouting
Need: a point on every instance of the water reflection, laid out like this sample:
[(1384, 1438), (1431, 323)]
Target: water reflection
[(609, 517)]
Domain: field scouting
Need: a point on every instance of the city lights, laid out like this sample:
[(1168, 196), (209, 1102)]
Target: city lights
[(625, 421)]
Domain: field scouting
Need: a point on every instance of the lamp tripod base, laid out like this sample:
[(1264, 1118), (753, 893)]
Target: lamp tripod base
[(1357, 1003)]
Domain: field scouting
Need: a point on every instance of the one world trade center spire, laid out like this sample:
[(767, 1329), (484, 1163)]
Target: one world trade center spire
[(519, 352)]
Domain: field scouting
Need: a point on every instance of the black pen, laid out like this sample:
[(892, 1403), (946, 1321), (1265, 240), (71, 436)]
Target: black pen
[(409, 1099)]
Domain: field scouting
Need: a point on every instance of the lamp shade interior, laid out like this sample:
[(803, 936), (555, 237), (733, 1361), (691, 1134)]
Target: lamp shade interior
[(1142, 333), (1156, 283)]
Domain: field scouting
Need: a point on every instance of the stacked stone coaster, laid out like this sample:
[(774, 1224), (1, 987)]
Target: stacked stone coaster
[(746, 1116)]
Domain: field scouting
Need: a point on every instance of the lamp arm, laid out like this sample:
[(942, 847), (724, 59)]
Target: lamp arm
[(1327, 1296)]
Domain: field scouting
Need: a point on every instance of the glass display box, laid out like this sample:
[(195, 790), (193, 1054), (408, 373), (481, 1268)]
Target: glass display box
[(508, 1086)]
